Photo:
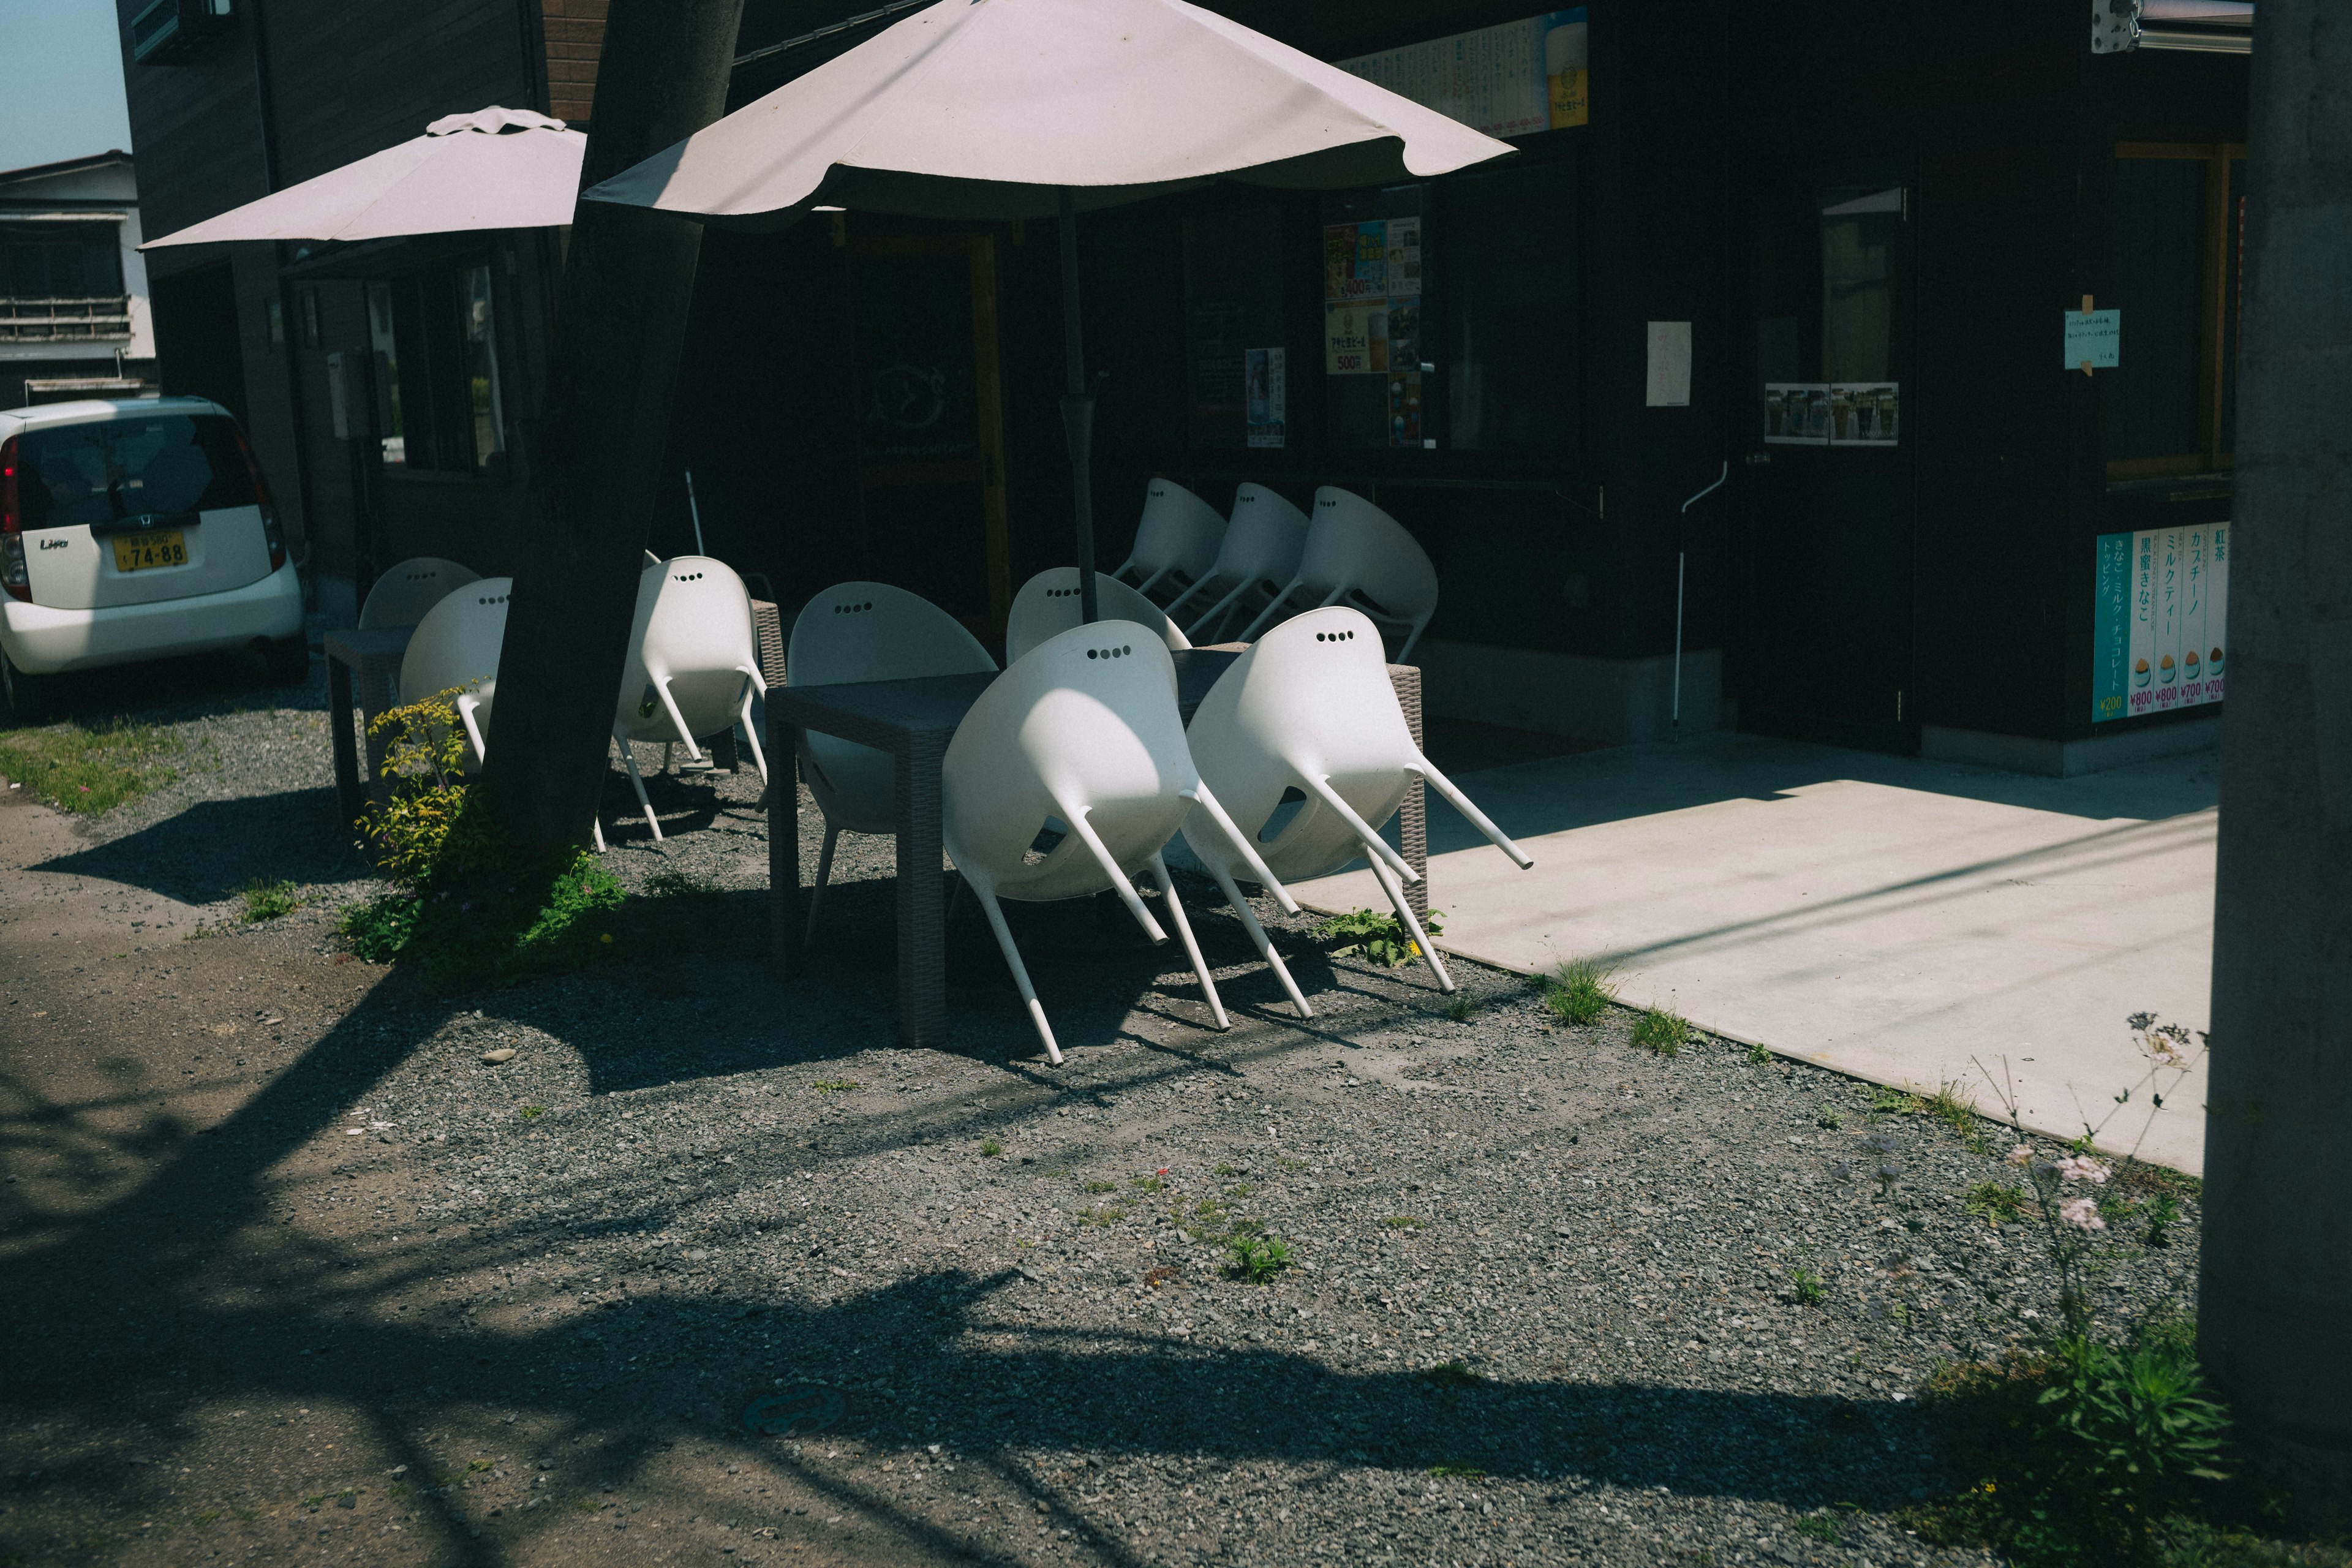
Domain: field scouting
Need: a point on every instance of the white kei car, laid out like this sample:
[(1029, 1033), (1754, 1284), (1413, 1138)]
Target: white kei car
[(135, 529)]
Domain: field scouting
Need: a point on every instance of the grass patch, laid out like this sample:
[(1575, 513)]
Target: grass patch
[(1885, 1101), (1099, 1187), (1995, 1203), (1661, 1030), (1461, 1010), (1286, 1163), (1579, 991), (1223, 1170), (1821, 1527), (834, 1086), (1147, 1184), (268, 900), (1379, 938), (1405, 1222), (1757, 1055), (532, 1113), (1257, 1259), (990, 1148), (1807, 1287), (1451, 1470), (1109, 1214), (86, 770)]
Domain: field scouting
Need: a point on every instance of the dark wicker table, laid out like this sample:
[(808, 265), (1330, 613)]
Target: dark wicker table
[(913, 720), (369, 661)]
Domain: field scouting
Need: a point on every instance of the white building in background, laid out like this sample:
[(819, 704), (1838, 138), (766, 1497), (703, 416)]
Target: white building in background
[(74, 319)]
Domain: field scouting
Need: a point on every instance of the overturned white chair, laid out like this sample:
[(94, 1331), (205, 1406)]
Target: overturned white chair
[(866, 631), (404, 592), (1176, 541), (1084, 730), (1259, 554), (1310, 709), (1359, 555), (1048, 605), (693, 666), (455, 647)]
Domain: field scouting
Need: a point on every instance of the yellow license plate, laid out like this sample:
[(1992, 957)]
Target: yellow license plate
[(136, 553)]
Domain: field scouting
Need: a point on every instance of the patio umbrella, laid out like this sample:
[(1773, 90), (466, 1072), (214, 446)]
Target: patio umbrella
[(993, 110), (496, 168)]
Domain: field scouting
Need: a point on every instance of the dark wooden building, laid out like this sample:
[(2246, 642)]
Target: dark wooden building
[(1837, 256)]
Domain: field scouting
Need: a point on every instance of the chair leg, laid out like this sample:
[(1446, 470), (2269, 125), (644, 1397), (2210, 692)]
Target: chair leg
[(995, 912), (1257, 935), (1395, 890), (637, 780), (824, 874), (751, 733), (596, 830), (1192, 947)]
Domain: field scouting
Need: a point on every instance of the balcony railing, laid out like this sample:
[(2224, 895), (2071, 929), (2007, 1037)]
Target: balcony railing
[(25, 320)]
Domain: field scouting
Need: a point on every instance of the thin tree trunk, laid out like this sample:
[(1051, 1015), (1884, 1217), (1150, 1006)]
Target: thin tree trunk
[(2275, 1322), (628, 277)]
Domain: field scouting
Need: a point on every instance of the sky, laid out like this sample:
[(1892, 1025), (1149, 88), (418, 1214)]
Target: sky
[(64, 93)]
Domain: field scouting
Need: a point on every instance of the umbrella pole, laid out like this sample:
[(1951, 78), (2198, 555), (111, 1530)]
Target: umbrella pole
[(1077, 412)]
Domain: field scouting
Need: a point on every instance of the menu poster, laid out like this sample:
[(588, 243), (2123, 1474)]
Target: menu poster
[(1509, 80), (2160, 626), (1866, 413), (1268, 397), (1347, 336), (1796, 414), (1403, 266)]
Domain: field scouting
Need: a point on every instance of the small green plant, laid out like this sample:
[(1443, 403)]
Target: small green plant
[(1286, 1165), (1099, 1187), (585, 1506), (1258, 1258), (1578, 990), (1806, 1286), (1455, 1469), (1240, 1190), (2163, 1214), (397, 1489), (475, 1467), (267, 901), (1831, 1120), (1956, 1108), (1885, 1101), (1821, 1527), (249, 1514), (206, 1518), (1453, 1375), (834, 1086), (532, 1113), (990, 1148), (1461, 1010), (1224, 1170), (1995, 1203), (314, 1499), (87, 771), (1757, 1055), (1405, 1222), (1108, 1214), (1147, 1184), (1663, 1031), (1381, 939)]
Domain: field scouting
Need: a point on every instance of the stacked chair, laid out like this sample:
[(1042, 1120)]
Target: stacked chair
[(693, 666), (1359, 555), (1259, 553), (1048, 605), (1176, 543)]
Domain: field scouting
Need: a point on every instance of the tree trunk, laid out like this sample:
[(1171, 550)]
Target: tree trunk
[(628, 277), (2275, 1322)]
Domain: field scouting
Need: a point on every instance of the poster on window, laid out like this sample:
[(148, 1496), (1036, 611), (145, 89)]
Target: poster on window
[(1796, 414), (1404, 409), (1509, 80), (1268, 397), (1866, 413), (2159, 626)]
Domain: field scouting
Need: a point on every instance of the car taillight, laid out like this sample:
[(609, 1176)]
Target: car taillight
[(12, 576), (269, 529)]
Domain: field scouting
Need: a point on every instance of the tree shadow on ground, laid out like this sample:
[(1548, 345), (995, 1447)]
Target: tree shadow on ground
[(213, 847)]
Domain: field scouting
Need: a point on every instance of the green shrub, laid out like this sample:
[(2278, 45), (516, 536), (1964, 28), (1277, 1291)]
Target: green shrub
[(1579, 991), (1381, 939)]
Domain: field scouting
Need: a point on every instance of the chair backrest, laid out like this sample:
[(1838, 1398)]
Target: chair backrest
[(403, 595), (869, 631), (1087, 724), (1048, 605), (693, 628), (457, 645), (1353, 543), (1177, 531), (1311, 698), (1263, 539)]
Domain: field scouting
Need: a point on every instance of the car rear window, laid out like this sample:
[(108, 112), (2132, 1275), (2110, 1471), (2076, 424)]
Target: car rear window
[(79, 476)]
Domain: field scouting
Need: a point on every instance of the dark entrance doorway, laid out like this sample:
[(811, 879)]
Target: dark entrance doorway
[(196, 349), (930, 423), (1827, 547)]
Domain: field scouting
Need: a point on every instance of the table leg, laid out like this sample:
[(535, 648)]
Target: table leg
[(347, 755), (1412, 817), (923, 896), (379, 692), (784, 909)]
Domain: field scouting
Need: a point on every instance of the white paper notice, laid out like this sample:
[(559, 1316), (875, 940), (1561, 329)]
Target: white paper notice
[(1669, 365)]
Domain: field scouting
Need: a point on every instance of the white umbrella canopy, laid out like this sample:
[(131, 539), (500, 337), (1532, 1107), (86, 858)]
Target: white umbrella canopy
[(496, 168), (993, 109)]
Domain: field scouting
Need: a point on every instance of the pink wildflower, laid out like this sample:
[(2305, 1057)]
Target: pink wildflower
[(2083, 1214), (2083, 1168), (2022, 1155)]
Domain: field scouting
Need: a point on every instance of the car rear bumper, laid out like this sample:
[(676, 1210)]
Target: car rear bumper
[(42, 641)]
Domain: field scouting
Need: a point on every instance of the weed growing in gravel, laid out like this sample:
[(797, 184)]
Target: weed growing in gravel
[(1258, 1258), (1453, 1375), (1099, 1187), (1109, 1214), (1831, 1120), (267, 901), (1956, 1108), (87, 771), (1887, 1101), (1663, 1031), (1821, 1527), (1454, 1470), (1224, 1170), (1286, 1163), (834, 1086), (1578, 990), (990, 1148), (1995, 1203), (1757, 1055), (532, 1113), (1461, 1010), (1381, 938), (1806, 1286), (1240, 1190), (1147, 1184), (1405, 1222)]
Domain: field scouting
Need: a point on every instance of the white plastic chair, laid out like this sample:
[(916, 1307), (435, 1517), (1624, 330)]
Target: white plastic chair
[(1176, 540), (1048, 605), (403, 595), (457, 645), (866, 631), (1084, 730), (1359, 554), (1260, 554), (1310, 708), (693, 665)]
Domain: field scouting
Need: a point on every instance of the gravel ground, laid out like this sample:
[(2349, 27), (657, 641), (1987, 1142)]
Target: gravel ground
[(301, 1271)]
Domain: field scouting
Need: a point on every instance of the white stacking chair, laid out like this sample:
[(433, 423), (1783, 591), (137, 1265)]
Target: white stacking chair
[(1310, 708), (1176, 540), (455, 647), (1048, 605), (866, 631), (1358, 554), (693, 666), (1084, 730), (1260, 554), (403, 595)]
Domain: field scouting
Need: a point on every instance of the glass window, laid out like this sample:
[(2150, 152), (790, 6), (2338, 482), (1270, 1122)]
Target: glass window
[(1509, 276), (78, 260), (75, 476), (1373, 354), (1232, 304), (437, 391), (1860, 232), (2156, 271)]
